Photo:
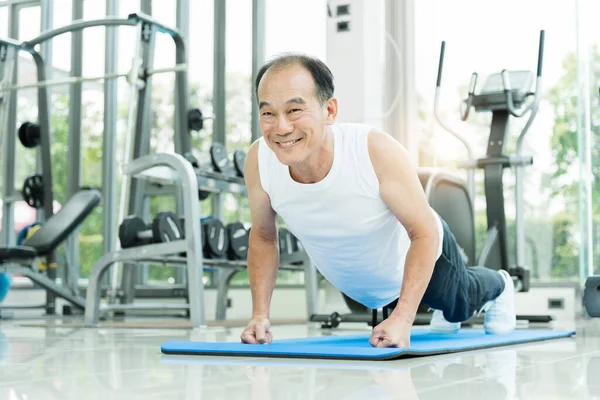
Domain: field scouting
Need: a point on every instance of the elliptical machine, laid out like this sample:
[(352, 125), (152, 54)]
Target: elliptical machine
[(505, 94)]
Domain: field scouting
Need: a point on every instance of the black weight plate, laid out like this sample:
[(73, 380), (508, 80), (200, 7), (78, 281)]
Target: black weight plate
[(33, 191), (33, 135), (218, 157), (216, 238), (591, 296), (166, 228), (203, 195), (128, 231), (29, 134), (195, 119), (22, 132), (238, 241), (192, 159), (239, 160)]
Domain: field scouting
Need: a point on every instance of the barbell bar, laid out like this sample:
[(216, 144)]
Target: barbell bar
[(137, 73)]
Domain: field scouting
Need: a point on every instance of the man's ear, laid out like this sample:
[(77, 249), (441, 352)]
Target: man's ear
[(331, 108)]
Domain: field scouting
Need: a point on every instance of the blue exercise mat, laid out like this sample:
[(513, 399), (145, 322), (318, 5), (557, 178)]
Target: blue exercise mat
[(357, 347)]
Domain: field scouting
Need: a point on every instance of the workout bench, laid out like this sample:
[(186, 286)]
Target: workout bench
[(19, 259)]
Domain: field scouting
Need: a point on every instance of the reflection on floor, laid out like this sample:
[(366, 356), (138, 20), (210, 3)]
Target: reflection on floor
[(54, 362)]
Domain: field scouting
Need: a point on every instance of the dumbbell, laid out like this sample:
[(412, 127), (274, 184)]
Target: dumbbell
[(239, 160), (289, 245), (29, 134), (219, 161), (202, 194), (165, 227), (217, 241), (238, 241), (215, 238)]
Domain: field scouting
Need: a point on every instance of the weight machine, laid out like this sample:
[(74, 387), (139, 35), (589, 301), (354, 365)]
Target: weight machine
[(38, 189)]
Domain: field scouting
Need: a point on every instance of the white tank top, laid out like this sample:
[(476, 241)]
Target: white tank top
[(348, 231)]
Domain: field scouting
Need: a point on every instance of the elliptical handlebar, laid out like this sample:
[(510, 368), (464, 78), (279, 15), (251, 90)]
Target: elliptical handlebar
[(509, 97), (464, 115), (541, 53), (538, 94), (436, 104), (532, 108), (441, 65), (461, 138)]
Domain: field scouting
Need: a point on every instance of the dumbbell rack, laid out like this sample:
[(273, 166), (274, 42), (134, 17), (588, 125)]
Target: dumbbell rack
[(174, 169)]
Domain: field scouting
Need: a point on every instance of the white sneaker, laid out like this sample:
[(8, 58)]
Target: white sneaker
[(500, 315), (439, 324)]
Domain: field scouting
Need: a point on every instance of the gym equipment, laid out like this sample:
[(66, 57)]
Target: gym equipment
[(288, 243), (217, 240), (53, 232), (29, 134), (357, 347), (4, 285), (165, 227), (504, 94), (135, 76), (33, 191), (202, 194), (195, 119), (25, 234), (354, 306), (219, 166), (286, 239), (239, 160), (439, 187), (591, 296), (237, 236), (219, 158), (219, 163)]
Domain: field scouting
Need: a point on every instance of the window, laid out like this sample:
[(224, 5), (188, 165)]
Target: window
[(475, 42), (29, 26), (3, 21)]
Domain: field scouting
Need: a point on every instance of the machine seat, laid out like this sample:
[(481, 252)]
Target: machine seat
[(16, 254), (58, 227)]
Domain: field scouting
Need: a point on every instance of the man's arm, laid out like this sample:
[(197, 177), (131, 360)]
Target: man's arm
[(401, 190), (263, 247)]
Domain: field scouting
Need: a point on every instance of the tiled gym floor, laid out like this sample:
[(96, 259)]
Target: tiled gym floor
[(109, 363)]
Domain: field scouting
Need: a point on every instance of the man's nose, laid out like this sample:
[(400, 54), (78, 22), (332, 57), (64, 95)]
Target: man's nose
[(284, 126)]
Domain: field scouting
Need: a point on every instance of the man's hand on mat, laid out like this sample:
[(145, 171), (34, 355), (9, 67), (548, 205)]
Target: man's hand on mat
[(257, 331), (393, 332)]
